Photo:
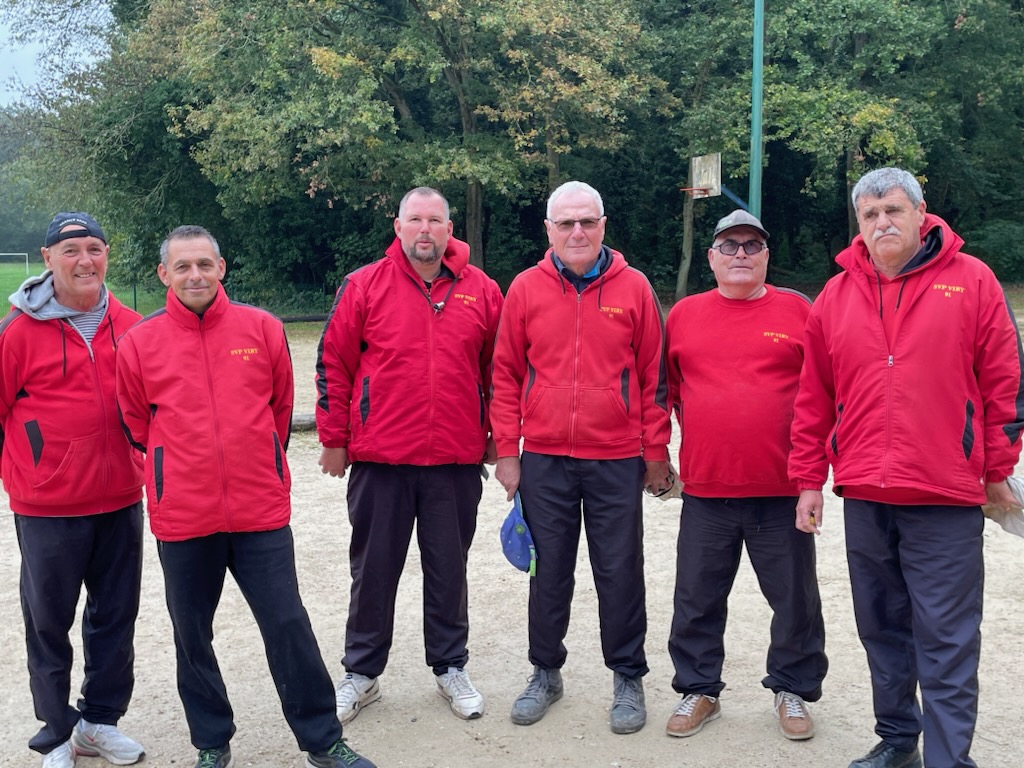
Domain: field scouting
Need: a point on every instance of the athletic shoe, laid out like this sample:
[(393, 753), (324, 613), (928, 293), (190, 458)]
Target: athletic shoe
[(354, 692), (629, 712), (340, 755), (692, 713), (887, 756), (543, 689), (795, 720), (61, 756), (464, 699), (97, 739), (215, 758)]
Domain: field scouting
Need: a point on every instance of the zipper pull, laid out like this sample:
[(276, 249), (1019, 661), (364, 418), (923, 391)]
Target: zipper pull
[(890, 361)]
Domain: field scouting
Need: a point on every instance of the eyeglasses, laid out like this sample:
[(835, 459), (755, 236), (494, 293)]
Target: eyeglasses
[(568, 225), (731, 247)]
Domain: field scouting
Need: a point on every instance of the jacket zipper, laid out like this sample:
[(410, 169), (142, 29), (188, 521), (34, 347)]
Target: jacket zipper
[(216, 424)]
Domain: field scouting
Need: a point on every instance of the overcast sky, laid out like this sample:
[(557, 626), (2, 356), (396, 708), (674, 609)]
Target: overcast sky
[(14, 62)]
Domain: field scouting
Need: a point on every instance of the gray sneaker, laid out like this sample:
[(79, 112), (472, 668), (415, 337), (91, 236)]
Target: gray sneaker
[(629, 712), (543, 690)]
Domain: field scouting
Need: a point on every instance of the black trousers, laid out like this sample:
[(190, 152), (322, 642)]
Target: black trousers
[(918, 577), (58, 556), (712, 533), (263, 565), (558, 493), (385, 502)]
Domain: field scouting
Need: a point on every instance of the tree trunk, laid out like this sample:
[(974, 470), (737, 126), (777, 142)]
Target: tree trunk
[(475, 222), (686, 256)]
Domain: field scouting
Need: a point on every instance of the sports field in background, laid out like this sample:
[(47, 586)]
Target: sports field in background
[(13, 274)]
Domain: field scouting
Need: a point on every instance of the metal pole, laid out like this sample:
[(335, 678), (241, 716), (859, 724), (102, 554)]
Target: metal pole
[(756, 99)]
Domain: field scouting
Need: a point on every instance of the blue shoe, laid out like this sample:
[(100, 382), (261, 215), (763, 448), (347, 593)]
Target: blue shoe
[(215, 758), (340, 755)]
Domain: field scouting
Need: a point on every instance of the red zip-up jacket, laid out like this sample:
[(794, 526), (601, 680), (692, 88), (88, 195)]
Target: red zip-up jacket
[(64, 453), (931, 418), (581, 374), (209, 399), (403, 372)]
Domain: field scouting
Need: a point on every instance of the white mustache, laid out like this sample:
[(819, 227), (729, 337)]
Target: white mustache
[(890, 230)]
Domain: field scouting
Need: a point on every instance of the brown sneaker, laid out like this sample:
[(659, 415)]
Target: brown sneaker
[(795, 720), (693, 711)]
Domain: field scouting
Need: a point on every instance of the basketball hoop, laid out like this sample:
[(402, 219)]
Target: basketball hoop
[(696, 192)]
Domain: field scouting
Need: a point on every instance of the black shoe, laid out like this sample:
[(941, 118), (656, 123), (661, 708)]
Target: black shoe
[(543, 690), (887, 756), (340, 755), (215, 758)]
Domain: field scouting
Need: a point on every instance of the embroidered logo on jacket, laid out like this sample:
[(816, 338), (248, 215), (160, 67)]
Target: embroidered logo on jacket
[(245, 353), (948, 290), (775, 336), (464, 297), (613, 310)]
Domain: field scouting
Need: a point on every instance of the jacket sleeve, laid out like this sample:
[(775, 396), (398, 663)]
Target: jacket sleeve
[(508, 373), (675, 376), (132, 403), (494, 304), (282, 399), (337, 363), (10, 377), (652, 374), (999, 366), (813, 410)]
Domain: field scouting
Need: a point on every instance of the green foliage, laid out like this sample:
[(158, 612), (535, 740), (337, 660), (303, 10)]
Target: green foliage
[(1000, 244)]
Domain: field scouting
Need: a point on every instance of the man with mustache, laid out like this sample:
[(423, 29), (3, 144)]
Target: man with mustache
[(403, 374), (911, 389)]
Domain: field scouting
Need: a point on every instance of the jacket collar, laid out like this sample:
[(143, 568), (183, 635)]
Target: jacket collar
[(186, 317)]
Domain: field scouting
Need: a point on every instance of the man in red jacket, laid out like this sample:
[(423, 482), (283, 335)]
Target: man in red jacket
[(205, 389), (403, 375), (75, 486), (911, 389), (734, 358), (579, 376)]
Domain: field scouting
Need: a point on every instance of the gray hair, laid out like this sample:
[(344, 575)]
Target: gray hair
[(423, 192), (576, 186), (186, 232), (882, 181)]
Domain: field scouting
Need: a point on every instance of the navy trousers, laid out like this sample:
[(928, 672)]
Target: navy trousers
[(918, 578), (712, 533), (263, 565), (58, 556), (558, 493), (385, 502)]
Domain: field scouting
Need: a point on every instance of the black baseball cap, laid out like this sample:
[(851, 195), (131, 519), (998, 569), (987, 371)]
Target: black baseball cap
[(77, 218)]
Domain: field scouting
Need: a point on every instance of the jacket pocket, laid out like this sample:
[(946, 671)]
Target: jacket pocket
[(546, 417), (834, 440), (278, 459), (602, 418), (158, 472), (364, 400), (967, 439)]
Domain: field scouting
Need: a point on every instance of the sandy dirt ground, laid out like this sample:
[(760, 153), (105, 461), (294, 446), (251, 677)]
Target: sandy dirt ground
[(412, 726)]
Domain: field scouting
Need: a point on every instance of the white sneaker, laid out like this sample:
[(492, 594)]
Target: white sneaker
[(97, 739), (354, 692), (464, 699), (61, 757)]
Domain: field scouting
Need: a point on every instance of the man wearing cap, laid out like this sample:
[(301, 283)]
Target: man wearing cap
[(403, 375), (734, 358), (579, 376), (205, 389), (911, 390), (75, 487)]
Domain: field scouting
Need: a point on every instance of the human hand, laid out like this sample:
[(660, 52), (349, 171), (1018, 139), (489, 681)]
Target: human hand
[(507, 473), (810, 511), (333, 461), (659, 478)]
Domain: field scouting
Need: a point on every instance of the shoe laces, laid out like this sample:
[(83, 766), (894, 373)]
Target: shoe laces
[(457, 682), (343, 751), (536, 686), (627, 692), (208, 758), (348, 691), (794, 704), (689, 703)]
